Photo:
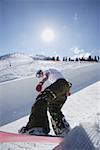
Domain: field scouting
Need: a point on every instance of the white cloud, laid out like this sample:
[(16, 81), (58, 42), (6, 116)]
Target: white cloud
[(80, 52), (76, 50), (85, 55)]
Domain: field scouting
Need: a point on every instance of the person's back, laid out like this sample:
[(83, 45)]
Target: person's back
[(52, 98), (54, 75)]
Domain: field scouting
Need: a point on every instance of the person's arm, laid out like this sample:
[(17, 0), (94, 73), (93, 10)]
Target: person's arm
[(39, 86), (45, 78)]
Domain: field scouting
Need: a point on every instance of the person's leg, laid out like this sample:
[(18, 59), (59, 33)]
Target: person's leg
[(38, 117), (58, 121), (38, 121)]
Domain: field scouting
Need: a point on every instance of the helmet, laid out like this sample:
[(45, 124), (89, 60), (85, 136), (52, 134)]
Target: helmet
[(39, 73)]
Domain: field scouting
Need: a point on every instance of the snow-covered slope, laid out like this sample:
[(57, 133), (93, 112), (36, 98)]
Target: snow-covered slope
[(11, 64), (17, 65), (86, 136), (18, 95), (82, 107), (17, 92)]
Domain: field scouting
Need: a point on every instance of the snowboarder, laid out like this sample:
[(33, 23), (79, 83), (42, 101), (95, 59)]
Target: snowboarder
[(52, 99)]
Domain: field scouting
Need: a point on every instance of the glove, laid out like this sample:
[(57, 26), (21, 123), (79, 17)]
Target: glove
[(39, 87), (68, 94)]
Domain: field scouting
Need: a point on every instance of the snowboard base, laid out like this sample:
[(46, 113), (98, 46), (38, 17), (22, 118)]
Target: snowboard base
[(14, 137), (17, 141)]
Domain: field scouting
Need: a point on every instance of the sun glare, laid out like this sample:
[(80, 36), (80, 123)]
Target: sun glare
[(47, 35)]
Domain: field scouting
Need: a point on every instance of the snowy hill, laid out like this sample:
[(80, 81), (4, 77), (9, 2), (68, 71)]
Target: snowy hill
[(41, 57), (14, 59), (18, 82), (17, 90), (17, 65)]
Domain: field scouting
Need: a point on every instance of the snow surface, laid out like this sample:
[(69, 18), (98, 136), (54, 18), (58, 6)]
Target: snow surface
[(17, 92), (82, 106), (86, 136), (77, 110), (18, 81), (27, 146)]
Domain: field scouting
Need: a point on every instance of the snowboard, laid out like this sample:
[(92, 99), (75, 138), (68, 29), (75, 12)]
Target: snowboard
[(10, 136), (15, 140)]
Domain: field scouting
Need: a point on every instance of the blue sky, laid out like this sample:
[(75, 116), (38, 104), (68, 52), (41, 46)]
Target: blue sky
[(75, 24)]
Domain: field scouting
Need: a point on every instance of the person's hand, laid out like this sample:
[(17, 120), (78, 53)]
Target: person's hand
[(39, 87), (68, 94)]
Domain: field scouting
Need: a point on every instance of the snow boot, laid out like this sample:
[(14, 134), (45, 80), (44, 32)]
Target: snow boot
[(61, 128), (33, 131), (37, 131), (23, 130)]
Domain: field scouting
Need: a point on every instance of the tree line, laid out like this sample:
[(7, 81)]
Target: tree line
[(89, 58)]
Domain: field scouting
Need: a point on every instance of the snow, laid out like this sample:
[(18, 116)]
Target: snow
[(77, 110), (27, 146), (82, 106), (18, 82), (17, 93), (83, 137)]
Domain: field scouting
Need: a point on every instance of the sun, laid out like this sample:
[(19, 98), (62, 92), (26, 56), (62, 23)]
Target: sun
[(48, 35)]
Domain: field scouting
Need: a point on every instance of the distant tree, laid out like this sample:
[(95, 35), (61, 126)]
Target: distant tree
[(57, 59), (95, 59), (66, 59), (72, 60), (63, 58), (89, 58), (69, 59), (48, 58), (77, 59), (53, 58), (98, 58)]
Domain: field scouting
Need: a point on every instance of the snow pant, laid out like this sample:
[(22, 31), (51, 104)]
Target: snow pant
[(51, 99)]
